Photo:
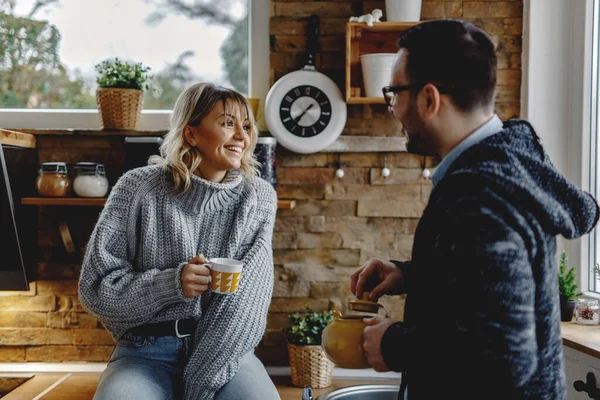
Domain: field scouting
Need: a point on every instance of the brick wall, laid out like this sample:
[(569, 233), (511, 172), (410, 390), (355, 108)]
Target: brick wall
[(336, 225)]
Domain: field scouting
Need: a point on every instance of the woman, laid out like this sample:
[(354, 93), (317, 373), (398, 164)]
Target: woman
[(142, 275)]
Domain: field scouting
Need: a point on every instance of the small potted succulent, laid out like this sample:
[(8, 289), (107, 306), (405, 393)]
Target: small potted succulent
[(309, 365), (120, 93), (568, 288)]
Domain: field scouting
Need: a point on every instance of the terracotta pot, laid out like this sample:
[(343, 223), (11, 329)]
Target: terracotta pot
[(342, 341)]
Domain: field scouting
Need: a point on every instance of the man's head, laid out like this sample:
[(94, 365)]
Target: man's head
[(451, 67)]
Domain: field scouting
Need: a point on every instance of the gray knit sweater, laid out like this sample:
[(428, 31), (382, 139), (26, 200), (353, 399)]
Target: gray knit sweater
[(131, 272)]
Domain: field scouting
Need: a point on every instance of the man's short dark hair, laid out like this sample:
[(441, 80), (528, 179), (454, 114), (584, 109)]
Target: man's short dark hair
[(456, 56)]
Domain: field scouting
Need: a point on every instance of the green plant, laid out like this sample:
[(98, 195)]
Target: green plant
[(306, 330), (569, 290), (114, 73)]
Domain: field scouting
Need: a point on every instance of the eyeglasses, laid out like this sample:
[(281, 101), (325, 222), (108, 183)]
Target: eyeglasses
[(390, 91)]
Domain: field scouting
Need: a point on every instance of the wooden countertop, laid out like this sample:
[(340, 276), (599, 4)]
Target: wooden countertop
[(584, 338), (289, 392)]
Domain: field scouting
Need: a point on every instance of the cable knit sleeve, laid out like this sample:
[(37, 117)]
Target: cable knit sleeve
[(234, 324), (109, 286)]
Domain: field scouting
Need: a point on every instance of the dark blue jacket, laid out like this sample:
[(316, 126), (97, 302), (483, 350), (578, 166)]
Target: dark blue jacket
[(482, 316)]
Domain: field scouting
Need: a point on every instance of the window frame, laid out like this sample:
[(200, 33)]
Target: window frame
[(155, 120), (556, 97)]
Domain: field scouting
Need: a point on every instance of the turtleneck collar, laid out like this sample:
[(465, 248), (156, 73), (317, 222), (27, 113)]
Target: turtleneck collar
[(206, 195)]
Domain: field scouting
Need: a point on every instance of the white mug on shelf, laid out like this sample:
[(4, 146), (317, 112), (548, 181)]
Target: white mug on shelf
[(403, 10)]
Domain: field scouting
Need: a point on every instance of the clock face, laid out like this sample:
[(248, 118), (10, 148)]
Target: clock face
[(305, 111)]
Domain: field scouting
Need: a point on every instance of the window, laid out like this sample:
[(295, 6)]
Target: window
[(593, 278), (48, 50)]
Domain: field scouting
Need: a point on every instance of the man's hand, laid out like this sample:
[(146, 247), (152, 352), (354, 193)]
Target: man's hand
[(385, 273), (373, 332), (195, 278)]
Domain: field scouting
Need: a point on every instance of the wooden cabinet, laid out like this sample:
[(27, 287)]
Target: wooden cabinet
[(363, 39), (583, 369)]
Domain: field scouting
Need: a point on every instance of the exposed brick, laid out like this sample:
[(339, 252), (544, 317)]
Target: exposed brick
[(300, 224), (287, 283), (92, 337), (317, 256), (325, 9), (34, 336), (58, 287), (368, 240), (325, 240), (37, 303), (508, 110), (331, 289), (289, 159), (307, 191), (398, 176), (508, 94), (509, 43), (71, 320), (314, 272), (442, 9), (285, 240), (321, 207), (492, 9), (401, 193), (358, 225), (12, 353), (321, 175), (390, 208), (509, 77), (18, 319), (68, 353), (293, 305)]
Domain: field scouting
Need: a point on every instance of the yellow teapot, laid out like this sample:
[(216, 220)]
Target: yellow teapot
[(342, 338)]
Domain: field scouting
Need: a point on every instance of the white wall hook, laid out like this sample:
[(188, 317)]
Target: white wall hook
[(339, 173), (385, 171), (426, 173)]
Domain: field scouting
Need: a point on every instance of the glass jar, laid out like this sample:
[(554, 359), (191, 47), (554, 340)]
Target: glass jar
[(90, 180), (52, 180), (587, 311)]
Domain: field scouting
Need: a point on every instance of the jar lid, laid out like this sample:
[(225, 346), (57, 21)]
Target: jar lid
[(587, 302), (54, 167), (89, 167)]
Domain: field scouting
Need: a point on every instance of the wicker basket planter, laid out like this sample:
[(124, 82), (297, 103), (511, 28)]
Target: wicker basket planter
[(119, 108), (310, 367)]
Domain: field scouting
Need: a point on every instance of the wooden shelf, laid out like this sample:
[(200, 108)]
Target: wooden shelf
[(19, 139), (63, 201), (99, 201), (364, 39)]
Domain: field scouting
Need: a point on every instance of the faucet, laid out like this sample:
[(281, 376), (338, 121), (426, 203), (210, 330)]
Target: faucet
[(307, 393)]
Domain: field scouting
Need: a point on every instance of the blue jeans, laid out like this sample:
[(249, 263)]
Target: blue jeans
[(151, 368)]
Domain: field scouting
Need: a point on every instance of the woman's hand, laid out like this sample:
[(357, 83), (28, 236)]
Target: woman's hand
[(195, 278), (373, 333), (381, 277)]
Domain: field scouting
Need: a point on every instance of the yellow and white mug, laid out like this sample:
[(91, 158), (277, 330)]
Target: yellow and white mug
[(225, 274)]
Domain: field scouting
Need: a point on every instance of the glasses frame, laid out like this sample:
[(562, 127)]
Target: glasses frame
[(396, 89)]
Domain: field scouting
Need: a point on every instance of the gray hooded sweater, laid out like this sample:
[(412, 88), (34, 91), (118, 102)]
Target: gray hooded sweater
[(482, 317), (131, 272)]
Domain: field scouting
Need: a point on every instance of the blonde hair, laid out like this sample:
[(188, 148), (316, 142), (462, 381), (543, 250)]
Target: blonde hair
[(192, 105)]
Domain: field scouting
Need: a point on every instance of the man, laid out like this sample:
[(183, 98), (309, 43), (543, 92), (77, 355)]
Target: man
[(482, 316)]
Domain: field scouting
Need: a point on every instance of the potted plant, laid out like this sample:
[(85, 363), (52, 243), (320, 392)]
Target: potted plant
[(120, 93), (568, 288), (309, 365)]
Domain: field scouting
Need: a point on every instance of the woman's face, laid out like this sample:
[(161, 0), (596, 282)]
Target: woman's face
[(222, 138)]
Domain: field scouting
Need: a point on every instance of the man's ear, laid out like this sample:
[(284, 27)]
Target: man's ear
[(188, 135), (432, 101)]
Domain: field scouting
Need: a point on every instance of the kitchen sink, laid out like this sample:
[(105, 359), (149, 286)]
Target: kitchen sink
[(363, 392)]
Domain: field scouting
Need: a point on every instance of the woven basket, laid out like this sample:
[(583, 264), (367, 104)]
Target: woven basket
[(310, 366), (119, 108)]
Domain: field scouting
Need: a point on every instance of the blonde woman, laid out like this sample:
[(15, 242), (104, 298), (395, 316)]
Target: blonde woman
[(142, 275)]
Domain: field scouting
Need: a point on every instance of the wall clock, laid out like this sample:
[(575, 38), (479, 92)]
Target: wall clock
[(305, 110)]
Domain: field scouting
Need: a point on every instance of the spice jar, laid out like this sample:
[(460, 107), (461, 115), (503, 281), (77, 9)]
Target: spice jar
[(52, 180), (587, 311), (90, 180)]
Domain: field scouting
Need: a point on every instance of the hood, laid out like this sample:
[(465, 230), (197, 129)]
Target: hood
[(515, 161)]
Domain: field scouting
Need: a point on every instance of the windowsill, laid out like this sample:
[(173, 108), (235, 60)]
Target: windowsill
[(583, 338)]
